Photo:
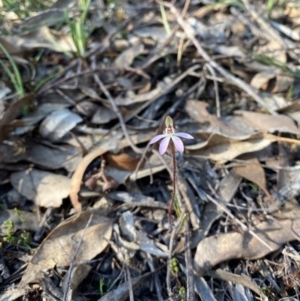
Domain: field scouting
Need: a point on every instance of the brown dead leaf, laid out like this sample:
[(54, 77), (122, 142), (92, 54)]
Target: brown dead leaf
[(226, 246), (123, 161), (253, 172), (238, 129), (49, 17), (42, 38), (11, 113), (60, 246), (44, 155), (125, 59), (282, 84), (79, 273), (261, 79), (46, 189), (220, 148), (102, 115), (273, 49), (270, 124), (292, 110)]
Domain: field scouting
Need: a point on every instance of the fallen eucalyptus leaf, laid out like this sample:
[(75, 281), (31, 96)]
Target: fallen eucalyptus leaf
[(46, 189), (61, 246), (226, 246), (58, 124)]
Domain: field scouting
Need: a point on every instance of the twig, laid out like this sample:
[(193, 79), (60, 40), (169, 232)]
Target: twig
[(73, 260), (187, 197), (272, 34), (244, 228), (131, 298), (157, 284), (190, 282), (234, 80), (118, 113), (43, 223), (185, 8)]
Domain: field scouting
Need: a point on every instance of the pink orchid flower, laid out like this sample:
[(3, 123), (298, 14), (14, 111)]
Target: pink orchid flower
[(170, 136)]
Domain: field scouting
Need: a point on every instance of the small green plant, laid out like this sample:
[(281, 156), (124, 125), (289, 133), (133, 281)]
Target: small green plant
[(18, 213), (10, 230), (23, 239), (14, 74), (182, 293), (101, 285), (78, 27), (270, 5), (174, 268), (164, 18)]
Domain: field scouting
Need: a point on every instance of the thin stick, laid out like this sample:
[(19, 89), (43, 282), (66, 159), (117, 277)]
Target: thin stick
[(118, 113), (131, 298), (244, 227), (190, 281), (73, 260)]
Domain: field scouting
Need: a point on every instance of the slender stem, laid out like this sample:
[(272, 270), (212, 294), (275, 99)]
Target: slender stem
[(170, 208)]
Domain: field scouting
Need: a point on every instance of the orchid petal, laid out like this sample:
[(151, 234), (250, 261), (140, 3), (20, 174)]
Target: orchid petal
[(157, 138), (164, 144), (184, 135), (178, 143)]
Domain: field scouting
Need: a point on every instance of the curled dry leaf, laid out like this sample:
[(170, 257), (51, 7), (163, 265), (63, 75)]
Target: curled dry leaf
[(261, 79), (231, 127), (79, 273), (58, 124), (125, 59), (46, 189), (103, 115), (47, 156), (27, 122), (123, 161), (49, 17), (60, 246), (42, 38), (226, 246), (79, 172), (272, 49), (220, 148), (253, 172)]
